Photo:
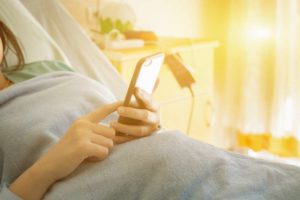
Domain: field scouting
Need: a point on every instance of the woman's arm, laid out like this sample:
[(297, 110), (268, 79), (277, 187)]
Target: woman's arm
[(85, 140), (33, 183)]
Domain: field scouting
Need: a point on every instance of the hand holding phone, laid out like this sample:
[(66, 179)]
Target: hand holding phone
[(144, 77)]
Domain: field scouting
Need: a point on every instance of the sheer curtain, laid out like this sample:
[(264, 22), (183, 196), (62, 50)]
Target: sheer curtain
[(286, 102), (261, 101)]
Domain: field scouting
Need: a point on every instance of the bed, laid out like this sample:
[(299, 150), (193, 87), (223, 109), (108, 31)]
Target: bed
[(166, 165)]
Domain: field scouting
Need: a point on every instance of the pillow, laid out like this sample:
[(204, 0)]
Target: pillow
[(82, 53)]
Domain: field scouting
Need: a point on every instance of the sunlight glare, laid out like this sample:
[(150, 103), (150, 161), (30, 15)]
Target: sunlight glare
[(259, 33)]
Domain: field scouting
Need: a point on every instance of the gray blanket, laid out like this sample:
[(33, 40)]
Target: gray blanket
[(169, 165)]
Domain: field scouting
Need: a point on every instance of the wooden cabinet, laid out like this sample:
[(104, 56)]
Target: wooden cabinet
[(179, 110)]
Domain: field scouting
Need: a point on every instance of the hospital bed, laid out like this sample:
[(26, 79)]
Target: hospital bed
[(151, 168)]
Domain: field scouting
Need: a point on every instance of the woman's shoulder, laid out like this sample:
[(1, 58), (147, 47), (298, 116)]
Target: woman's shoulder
[(38, 68), (48, 66)]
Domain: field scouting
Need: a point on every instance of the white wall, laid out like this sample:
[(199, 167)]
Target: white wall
[(168, 17), (164, 17), (79, 8)]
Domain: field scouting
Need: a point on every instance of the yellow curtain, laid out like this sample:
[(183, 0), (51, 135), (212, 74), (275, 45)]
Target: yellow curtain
[(261, 98)]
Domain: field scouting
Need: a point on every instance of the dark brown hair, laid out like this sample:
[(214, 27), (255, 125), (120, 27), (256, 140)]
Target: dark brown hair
[(10, 43)]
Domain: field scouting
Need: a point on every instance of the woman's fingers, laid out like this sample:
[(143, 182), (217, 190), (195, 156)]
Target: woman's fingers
[(95, 133), (103, 130), (102, 112), (146, 100), (99, 129), (98, 147), (96, 151), (104, 137), (133, 130), (102, 141), (139, 114), (119, 139)]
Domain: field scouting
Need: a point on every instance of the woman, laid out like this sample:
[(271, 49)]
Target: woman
[(85, 139), (44, 153)]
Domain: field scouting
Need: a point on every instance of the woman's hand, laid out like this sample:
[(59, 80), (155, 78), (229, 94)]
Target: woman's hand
[(85, 140), (145, 110)]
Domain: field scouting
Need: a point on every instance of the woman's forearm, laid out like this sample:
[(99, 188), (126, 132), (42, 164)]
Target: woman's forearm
[(85, 139), (33, 183)]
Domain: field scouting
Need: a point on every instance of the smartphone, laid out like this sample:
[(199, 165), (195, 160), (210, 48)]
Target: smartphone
[(144, 77)]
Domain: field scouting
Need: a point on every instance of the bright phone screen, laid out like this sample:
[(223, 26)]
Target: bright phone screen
[(149, 73)]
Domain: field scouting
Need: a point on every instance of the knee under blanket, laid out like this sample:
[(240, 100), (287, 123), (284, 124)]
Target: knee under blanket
[(36, 113)]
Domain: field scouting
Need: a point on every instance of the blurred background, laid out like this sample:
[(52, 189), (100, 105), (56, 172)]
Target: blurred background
[(231, 76)]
